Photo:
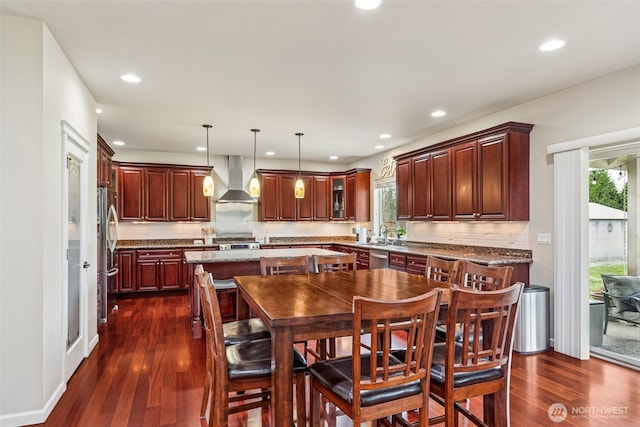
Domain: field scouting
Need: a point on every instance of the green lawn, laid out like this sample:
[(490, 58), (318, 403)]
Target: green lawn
[(595, 281)]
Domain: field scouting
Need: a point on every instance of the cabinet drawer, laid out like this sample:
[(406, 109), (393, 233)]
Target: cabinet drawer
[(416, 265), (397, 261), (151, 254)]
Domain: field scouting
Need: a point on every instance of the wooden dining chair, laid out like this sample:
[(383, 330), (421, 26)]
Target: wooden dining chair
[(485, 278), (237, 331), (332, 263), (238, 376), (326, 348), (284, 265), (474, 366), (367, 387), (441, 270)]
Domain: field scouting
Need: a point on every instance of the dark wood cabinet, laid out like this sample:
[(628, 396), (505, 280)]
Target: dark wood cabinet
[(357, 197), (277, 201), (416, 265), (321, 198), (159, 269), (142, 193), (305, 206), (480, 176), (397, 262), (362, 258), (186, 200), (126, 271), (338, 185), (104, 155)]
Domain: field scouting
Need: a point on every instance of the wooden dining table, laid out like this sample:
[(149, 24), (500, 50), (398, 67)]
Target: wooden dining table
[(314, 306)]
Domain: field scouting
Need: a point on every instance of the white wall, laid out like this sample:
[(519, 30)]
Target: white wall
[(39, 89)]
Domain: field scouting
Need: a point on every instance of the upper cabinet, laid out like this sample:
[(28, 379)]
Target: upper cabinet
[(328, 196), (104, 155), (481, 176), (155, 192)]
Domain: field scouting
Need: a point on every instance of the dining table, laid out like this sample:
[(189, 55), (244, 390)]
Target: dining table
[(311, 306)]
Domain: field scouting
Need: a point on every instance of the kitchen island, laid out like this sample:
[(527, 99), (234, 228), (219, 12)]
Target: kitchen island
[(224, 265)]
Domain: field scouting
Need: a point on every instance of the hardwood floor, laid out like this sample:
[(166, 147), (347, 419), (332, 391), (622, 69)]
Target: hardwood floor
[(148, 371)]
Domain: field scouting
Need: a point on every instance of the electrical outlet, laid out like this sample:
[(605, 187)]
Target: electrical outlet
[(544, 238)]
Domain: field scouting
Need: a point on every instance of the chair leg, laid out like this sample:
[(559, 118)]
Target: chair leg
[(205, 395), (314, 405), (301, 399)]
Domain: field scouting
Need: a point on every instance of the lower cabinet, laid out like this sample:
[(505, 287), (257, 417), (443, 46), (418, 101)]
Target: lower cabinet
[(416, 265), (362, 258), (398, 262), (159, 269), (126, 271)]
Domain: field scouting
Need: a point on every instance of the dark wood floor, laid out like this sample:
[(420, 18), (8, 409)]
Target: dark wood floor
[(148, 371)]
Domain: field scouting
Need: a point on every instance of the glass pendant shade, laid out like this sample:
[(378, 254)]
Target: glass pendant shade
[(207, 186), (298, 190), (254, 187)]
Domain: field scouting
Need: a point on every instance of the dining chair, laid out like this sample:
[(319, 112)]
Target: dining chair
[(284, 265), (476, 367), (237, 331), (326, 348), (485, 278), (442, 270), (238, 376), (372, 383)]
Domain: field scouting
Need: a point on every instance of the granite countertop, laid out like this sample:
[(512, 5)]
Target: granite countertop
[(478, 254), (240, 255)]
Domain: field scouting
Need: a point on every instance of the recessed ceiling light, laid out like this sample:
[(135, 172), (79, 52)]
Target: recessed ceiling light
[(118, 142), (99, 110), (551, 45), (270, 153), (131, 78), (367, 4), (333, 157), (439, 113), (378, 147), (385, 136), (201, 148)]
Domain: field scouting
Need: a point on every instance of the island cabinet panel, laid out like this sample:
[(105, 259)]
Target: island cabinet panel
[(126, 271), (186, 199), (480, 176)]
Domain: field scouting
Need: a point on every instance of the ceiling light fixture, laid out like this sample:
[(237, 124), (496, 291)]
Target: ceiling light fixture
[(378, 147), (207, 184), (131, 78), (367, 4), (298, 190), (99, 110), (551, 45), (333, 157), (118, 142), (385, 136), (270, 153), (254, 184), (439, 113)]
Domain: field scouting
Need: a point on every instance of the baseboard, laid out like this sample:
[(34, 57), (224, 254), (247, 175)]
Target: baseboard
[(33, 417), (92, 344)]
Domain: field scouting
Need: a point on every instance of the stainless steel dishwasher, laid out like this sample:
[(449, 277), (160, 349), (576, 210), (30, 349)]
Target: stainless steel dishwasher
[(378, 259)]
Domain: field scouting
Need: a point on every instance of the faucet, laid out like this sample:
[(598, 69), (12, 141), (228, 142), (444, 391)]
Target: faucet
[(383, 234)]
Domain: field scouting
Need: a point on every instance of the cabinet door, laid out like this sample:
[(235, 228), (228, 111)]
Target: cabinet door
[(199, 203), (179, 199), (131, 193), (147, 274), (351, 197), (269, 197), (441, 184), (322, 198), (337, 198), (304, 207), (358, 196), (465, 172), (287, 205), (170, 273), (126, 271), (492, 199), (421, 187), (157, 190), (403, 189)]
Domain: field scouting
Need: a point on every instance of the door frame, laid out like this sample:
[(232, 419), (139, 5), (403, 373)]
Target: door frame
[(74, 143)]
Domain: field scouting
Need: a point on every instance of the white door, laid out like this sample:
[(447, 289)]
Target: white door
[(75, 195)]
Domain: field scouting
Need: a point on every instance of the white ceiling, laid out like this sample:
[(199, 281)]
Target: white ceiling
[(340, 75)]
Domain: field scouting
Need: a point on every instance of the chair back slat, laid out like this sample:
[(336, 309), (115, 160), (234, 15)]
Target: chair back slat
[(284, 265), (330, 263), (416, 317), (441, 270), (487, 320), (485, 278)]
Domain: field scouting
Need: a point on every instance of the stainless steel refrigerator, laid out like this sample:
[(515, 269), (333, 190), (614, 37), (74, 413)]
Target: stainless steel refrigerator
[(107, 259)]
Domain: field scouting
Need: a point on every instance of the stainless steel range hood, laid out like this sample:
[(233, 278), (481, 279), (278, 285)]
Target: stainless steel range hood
[(236, 194)]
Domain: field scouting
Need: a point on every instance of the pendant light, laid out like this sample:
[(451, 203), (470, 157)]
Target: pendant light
[(207, 184), (254, 184), (298, 190)]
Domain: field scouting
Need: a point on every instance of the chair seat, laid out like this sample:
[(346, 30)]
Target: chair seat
[(245, 330), (253, 359), (337, 375), (460, 378)]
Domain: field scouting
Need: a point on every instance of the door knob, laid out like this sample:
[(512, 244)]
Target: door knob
[(86, 265)]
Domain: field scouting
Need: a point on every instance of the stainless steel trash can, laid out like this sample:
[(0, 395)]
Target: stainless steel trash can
[(596, 322), (532, 328)]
